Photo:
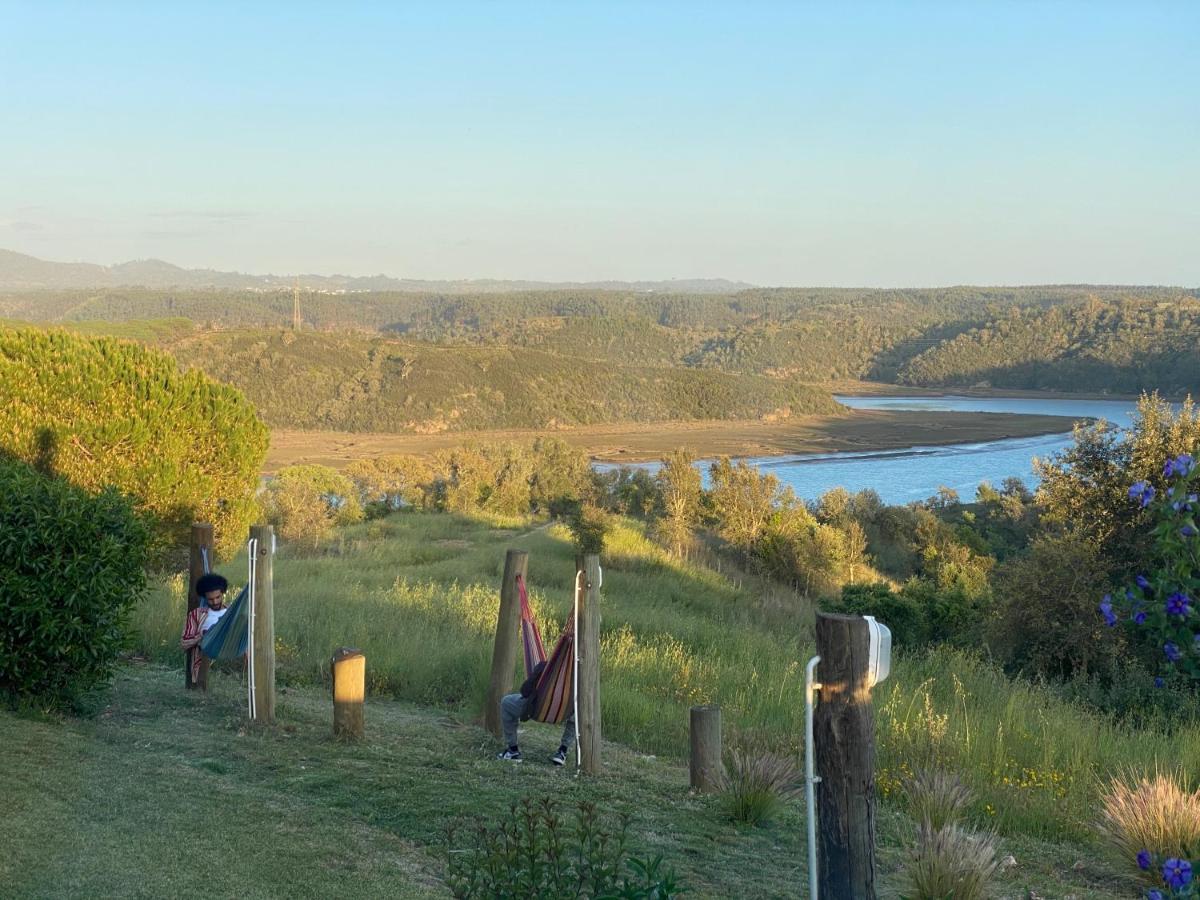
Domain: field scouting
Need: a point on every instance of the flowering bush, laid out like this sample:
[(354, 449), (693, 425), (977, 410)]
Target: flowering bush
[(1162, 606)]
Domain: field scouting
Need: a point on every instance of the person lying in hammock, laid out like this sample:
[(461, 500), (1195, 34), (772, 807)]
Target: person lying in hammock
[(203, 618), (520, 707)]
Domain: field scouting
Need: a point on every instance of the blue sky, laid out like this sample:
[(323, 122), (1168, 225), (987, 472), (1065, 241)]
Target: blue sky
[(892, 144)]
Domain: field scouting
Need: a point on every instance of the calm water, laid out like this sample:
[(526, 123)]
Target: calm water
[(900, 476)]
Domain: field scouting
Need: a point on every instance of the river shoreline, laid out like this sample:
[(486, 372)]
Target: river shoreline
[(855, 432)]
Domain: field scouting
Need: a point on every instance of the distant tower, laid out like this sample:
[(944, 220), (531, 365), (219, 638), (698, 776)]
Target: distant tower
[(296, 306)]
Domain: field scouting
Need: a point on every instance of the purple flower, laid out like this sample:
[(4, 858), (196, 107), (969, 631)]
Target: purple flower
[(1184, 464), (1171, 651), (1169, 468), (1154, 895), (1177, 873), (1129, 596), (1142, 491), (1177, 605), (1188, 530), (1143, 582), (1106, 608), (1143, 859), (1139, 617), (1158, 681)]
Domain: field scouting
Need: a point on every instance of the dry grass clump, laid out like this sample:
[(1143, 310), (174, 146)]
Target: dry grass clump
[(936, 798), (951, 862), (1158, 814), (947, 859), (757, 784)]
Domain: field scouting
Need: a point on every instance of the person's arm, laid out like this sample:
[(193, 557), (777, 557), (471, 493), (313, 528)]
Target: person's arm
[(193, 628)]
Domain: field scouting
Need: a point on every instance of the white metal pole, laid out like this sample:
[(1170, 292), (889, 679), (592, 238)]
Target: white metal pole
[(579, 576), (251, 564), (810, 776)]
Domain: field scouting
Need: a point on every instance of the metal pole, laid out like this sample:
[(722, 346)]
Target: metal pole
[(810, 776)]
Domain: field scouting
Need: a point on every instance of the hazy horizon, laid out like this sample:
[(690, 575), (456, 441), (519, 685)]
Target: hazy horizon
[(874, 145)]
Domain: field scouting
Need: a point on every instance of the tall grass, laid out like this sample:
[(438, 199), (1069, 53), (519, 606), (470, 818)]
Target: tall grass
[(419, 593)]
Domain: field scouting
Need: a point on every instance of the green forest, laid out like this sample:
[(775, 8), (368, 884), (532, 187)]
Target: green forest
[(429, 362)]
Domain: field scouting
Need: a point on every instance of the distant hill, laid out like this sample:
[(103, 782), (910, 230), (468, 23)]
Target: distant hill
[(1123, 347), (19, 272), (347, 382)]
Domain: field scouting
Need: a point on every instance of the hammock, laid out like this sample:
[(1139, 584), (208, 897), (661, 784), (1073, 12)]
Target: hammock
[(555, 691), (228, 639)]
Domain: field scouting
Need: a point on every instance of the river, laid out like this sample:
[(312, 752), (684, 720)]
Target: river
[(902, 476)]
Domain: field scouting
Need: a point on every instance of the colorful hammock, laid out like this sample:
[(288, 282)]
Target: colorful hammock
[(555, 691), (228, 639)]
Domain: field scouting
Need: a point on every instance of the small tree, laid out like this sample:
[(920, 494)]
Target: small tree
[(306, 502), (71, 565), (102, 412), (679, 500)]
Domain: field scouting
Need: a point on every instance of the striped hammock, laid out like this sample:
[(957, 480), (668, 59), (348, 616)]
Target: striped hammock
[(555, 687)]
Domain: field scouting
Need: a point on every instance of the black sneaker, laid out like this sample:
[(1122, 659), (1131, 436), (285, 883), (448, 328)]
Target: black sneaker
[(559, 758), (514, 755)]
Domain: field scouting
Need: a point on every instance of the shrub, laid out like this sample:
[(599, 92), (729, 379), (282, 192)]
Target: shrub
[(535, 855), (306, 502), (100, 412), (589, 526), (388, 483), (936, 798), (896, 610), (1045, 623), (71, 565), (950, 862), (1158, 817), (756, 785)]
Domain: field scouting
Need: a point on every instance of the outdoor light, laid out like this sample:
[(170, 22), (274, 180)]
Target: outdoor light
[(879, 659)]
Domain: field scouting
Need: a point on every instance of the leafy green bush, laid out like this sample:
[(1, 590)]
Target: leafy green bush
[(100, 412), (536, 855), (306, 502), (71, 564), (896, 610)]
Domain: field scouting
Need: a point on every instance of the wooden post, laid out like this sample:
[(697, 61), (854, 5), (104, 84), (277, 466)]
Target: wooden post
[(349, 669), (706, 748), (202, 543), (587, 646), (264, 624), (508, 629), (844, 738)]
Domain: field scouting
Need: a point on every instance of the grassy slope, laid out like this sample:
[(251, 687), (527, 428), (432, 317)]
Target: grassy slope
[(417, 593)]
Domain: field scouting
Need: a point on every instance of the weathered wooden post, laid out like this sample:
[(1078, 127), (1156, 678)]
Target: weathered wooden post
[(508, 627), (201, 547), (844, 736), (587, 646), (349, 670), (262, 615), (706, 748)]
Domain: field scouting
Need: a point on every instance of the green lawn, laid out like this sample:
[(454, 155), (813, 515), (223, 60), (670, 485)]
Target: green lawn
[(166, 792), (104, 806)]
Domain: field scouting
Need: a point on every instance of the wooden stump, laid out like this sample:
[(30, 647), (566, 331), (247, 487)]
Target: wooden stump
[(587, 645), (508, 631), (844, 737), (706, 748), (349, 670), (201, 544)]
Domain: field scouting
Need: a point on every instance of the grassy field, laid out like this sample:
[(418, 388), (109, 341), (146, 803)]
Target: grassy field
[(104, 806), (855, 430)]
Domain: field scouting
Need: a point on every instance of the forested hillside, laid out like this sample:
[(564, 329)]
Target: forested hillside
[(1123, 347), (400, 360), (356, 383)]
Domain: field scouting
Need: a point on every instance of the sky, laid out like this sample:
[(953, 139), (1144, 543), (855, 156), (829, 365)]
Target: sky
[(854, 144)]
